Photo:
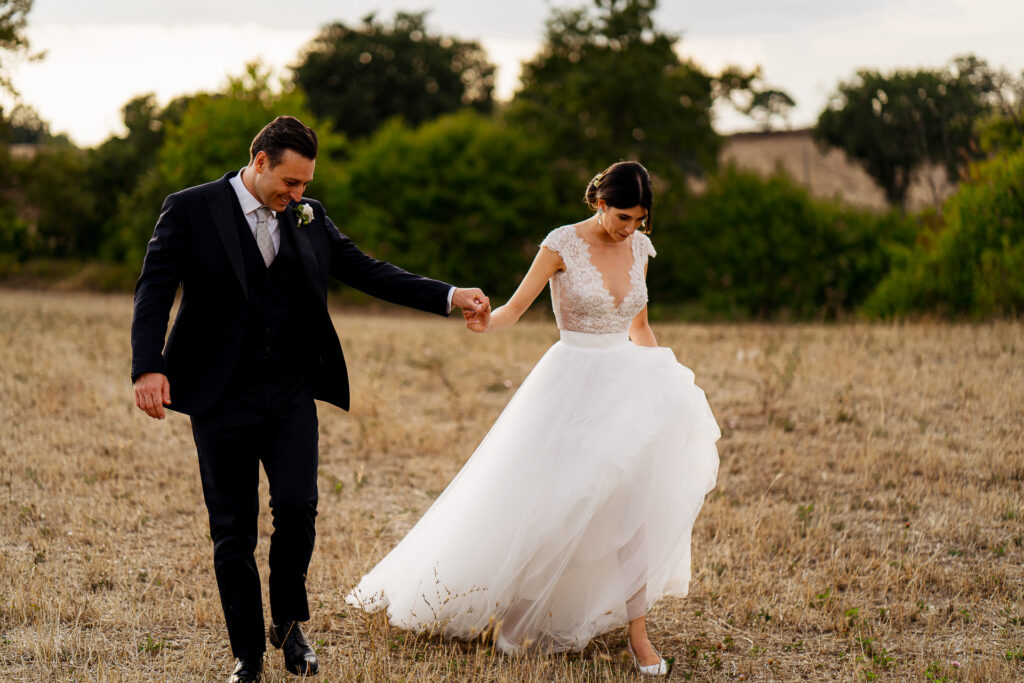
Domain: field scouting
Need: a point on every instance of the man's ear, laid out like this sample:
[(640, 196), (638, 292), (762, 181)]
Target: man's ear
[(261, 162)]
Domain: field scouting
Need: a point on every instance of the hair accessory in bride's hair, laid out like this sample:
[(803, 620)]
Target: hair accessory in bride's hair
[(597, 179)]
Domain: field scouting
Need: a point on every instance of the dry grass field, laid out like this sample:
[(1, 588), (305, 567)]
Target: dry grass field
[(866, 524)]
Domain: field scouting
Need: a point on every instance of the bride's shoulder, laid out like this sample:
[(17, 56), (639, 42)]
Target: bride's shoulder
[(557, 238)]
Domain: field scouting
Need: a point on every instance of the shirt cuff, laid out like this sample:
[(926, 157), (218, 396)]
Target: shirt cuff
[(451, 294)]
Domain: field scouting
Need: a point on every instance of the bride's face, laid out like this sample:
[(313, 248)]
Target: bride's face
[(621, 223)]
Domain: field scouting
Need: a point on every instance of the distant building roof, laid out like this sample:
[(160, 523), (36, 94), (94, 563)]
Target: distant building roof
[(826, 174)]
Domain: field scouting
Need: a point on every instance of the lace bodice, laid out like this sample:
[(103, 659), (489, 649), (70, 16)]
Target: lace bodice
[(579, 295)]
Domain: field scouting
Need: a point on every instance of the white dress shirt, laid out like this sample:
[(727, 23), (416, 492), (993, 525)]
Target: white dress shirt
[(249, 204)]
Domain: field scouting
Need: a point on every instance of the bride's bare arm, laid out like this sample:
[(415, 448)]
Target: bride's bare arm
[(640, 329), (546, 264)]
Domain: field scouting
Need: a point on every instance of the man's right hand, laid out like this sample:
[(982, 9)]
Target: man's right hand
[(152, 393)]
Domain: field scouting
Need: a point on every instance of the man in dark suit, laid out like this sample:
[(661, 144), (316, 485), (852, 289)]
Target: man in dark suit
[(251, 347)]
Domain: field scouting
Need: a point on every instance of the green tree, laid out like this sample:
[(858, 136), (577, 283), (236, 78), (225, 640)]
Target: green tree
[(55, 204), (1003, 130), (17, 241), (972, 264), (750, 95), (115, 167), (360, 77), (45, 202), (18, 232), (27, 127), (118, 163), (607, 85), (895, 123), (14, 45), (463, 198)]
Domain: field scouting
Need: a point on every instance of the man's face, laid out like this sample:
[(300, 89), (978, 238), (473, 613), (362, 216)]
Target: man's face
[(283, 183)]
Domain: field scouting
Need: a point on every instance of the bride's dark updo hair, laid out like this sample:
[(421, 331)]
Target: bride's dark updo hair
[(622, 185)]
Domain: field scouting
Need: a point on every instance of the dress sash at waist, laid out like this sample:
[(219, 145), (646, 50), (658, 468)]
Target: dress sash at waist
[(588, 340)]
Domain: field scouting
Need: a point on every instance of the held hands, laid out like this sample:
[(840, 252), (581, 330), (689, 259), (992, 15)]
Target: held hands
[(477, 322), (152, 393), (476, 308)]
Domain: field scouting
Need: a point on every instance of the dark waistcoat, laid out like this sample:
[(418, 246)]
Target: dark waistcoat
[(277, 343)]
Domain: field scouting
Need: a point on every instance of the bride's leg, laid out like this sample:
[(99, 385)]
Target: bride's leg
[(641, 644), (636, 608), (513, 623)]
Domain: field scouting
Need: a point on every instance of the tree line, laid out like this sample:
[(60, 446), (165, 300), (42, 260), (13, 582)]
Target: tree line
[(421, 166)]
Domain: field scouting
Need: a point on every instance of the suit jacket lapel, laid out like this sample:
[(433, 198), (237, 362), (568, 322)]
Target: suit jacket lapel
[(288, 223), (222, 207)]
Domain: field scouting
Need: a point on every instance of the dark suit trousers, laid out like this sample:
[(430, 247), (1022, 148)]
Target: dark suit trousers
[(271, 421)]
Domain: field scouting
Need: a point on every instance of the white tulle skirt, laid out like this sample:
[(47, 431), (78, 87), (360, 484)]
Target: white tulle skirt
[(574, 514)]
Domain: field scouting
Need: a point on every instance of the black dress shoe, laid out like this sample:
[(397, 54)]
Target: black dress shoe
[(299, 657), (247, 670)]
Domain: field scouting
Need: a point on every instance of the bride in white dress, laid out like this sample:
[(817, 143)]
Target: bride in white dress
[(573, 515)]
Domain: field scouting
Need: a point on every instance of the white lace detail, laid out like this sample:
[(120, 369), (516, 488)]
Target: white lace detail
[(579, 297)]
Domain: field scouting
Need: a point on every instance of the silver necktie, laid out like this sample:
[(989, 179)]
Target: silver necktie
[(263, 241)]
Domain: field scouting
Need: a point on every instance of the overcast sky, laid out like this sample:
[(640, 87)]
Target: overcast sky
[(100, 53)]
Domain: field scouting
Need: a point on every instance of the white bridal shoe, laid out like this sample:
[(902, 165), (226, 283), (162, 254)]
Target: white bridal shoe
[(659, 669)]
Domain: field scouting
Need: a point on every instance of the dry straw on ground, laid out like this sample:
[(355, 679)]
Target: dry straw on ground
[(866, 525)]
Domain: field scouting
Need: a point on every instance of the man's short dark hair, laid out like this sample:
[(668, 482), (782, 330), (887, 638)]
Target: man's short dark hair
[(284, 132)]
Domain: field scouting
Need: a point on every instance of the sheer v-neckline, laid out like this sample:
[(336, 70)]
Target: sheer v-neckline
[(605, 289), (580, 294)]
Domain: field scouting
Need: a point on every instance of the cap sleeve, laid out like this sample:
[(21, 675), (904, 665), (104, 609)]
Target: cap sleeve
[(555, 240), (646, 246)]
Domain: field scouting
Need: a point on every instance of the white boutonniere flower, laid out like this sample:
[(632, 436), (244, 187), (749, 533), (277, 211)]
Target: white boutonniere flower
[(304, 214)]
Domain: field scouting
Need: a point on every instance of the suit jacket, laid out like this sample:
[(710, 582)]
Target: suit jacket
[(196, 245)]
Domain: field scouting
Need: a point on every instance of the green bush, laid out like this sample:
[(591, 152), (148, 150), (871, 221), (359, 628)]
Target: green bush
[(973, 265), (17, 241), (463, 198), (762, 248)]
